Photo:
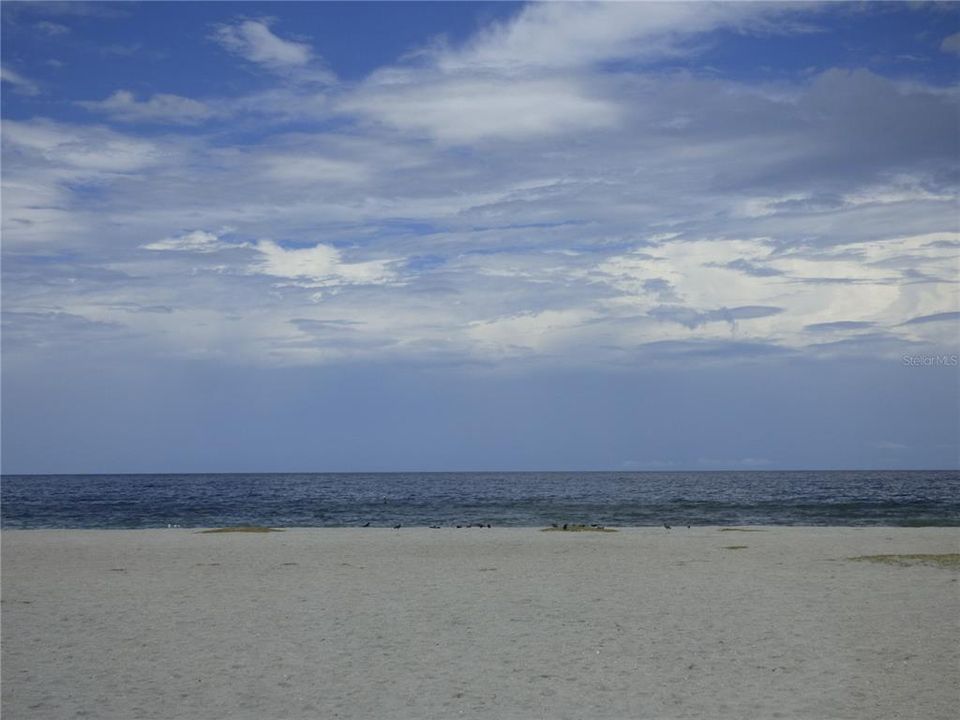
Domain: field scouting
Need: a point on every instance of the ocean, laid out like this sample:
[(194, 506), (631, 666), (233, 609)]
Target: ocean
[(501, 499)]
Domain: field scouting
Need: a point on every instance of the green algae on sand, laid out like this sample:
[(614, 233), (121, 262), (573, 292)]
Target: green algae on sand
[(943, 560), (579, 528), (736, 529), (241, 529)]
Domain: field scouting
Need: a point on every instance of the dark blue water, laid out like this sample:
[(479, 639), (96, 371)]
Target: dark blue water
[(501, 499)]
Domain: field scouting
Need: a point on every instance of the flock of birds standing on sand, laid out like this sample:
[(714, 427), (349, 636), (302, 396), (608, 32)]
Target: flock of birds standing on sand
[(437, 527)]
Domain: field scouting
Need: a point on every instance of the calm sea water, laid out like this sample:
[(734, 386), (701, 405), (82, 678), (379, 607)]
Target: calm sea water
[(501, 499)]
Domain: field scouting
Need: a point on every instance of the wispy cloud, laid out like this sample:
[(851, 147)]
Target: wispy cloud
[(543, 190), (254, 41), (839, 326), (691, 318), (530, 77), (308, 168), (196, 241), (55, 329), (951, 44), (19, 12), (160, 108), (562, 36), (20, 84), (467, 110), (51, 29), (936, 317)]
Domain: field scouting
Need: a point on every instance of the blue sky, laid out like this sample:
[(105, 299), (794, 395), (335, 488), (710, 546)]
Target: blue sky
[(452, 236)]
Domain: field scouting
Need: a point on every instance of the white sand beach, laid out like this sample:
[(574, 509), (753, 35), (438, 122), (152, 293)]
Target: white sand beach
[(498, 623)]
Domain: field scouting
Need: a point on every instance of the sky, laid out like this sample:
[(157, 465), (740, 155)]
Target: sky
[(479, 236)]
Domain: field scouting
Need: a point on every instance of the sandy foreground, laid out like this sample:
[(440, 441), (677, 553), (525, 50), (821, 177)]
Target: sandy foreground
[(500, 623)]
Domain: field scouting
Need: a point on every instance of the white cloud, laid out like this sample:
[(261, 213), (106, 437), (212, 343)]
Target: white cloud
[(37, 214), (89, 149), (463, 110), (529, 330), (122, 50), (320, 266), (951, 44), (865, 282), (124, 107), (254, 41), (59, 177), (51, 28), (568, 35), (314, 169), (899, 190), (281, 102), (20, 84), (197, 241), (600, 211), (531, 77), (904, 192)]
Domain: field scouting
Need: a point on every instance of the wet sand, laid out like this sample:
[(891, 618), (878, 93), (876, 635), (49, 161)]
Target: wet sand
[(492, 623)]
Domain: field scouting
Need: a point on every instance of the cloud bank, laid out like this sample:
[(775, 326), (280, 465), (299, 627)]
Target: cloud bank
[(570, 185)]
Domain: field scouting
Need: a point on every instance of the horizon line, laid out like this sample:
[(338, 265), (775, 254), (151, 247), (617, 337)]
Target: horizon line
[(475, 472)]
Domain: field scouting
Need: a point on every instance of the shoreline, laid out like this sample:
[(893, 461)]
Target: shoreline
[(628, 528), (771, 621)]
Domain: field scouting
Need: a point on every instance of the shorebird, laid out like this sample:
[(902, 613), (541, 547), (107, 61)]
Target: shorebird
[(397, 526), (366, 524), (666, 526)]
